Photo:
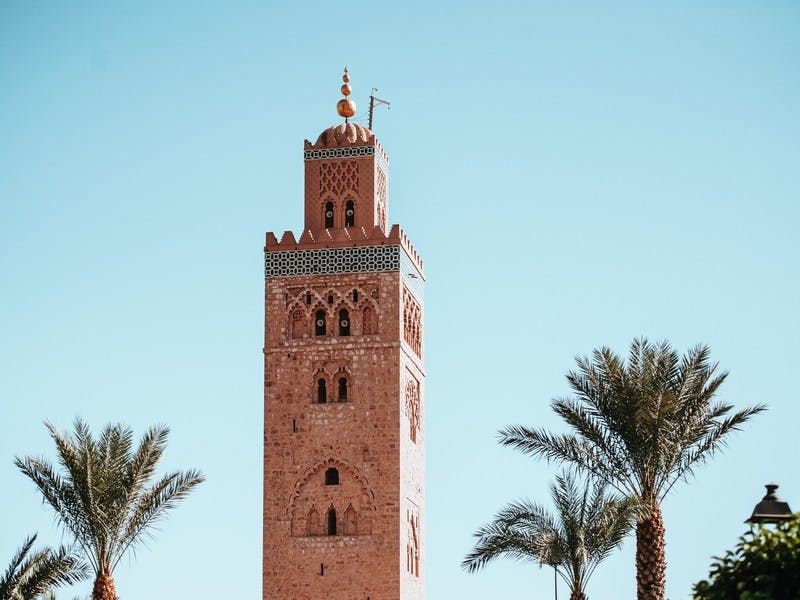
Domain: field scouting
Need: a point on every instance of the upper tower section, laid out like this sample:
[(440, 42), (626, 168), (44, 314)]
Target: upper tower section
[(347, 176)]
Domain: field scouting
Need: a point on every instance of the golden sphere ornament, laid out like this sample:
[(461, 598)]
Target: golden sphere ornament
[(346, 108)]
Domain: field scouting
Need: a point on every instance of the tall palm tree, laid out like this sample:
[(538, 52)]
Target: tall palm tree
[(103, 495), (31, 575), (641, 426), (588, 524)]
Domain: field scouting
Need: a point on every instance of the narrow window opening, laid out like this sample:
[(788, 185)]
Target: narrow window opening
[(294, 425), (332, 521), (322, 392), (355, 295), (332, 476), (344, 322), (330, 299), (308, 297), (342, 396), (319, 323), (329, 215), (350, 214), (321, 569)]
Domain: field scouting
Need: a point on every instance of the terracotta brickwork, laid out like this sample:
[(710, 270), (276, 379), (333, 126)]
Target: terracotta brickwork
[(333, 182), (344, 390)]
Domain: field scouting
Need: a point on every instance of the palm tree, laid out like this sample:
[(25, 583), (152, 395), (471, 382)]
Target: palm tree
[(31, 575), (101, 495), (587, 526), (640, 426)]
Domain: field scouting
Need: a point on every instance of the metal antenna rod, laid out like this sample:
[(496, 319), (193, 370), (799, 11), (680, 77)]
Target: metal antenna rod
[(373, 101), (555, 580)]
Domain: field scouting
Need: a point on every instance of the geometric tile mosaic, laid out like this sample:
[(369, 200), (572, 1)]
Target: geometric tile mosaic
[(361, 259), (339, 152), (325, 153)]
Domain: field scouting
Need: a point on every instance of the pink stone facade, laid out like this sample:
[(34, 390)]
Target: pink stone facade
[(344, 389)]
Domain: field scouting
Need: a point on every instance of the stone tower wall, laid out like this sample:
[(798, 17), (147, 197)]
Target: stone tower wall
[(343, 410)]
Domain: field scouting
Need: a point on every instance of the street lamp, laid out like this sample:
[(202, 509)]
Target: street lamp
[(771, 509)]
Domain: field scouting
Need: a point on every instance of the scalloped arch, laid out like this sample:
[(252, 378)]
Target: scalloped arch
[(340, 464)]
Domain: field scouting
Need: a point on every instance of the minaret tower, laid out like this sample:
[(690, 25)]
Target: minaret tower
[(344, 478)]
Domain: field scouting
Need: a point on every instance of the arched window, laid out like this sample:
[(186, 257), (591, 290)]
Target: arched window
[(332, 476), (331, 521), (322, 391), (319, 322), (344, 322), (329, 215), (342, 395), (350, 214), (355, 295)]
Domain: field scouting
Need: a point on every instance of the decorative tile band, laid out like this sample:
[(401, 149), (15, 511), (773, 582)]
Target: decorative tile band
[(326, 261), (325, 153), (339, 152)]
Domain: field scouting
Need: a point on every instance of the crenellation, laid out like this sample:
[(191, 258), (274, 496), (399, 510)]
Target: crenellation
[(306, 238), (288, 239), (346, 238)]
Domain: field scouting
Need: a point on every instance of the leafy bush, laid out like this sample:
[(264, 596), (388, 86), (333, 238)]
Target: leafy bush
[(765, 565)]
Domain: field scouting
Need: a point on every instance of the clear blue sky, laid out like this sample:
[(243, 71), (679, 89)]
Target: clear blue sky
[(573, 173)]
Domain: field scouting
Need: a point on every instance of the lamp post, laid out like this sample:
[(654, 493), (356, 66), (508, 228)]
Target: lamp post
[(771, 509)]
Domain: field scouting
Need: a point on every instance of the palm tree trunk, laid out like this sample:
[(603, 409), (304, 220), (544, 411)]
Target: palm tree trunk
[(104, 587), (577, 595), (650, 561)]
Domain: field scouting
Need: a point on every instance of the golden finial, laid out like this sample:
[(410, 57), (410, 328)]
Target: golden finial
[(346, 107)]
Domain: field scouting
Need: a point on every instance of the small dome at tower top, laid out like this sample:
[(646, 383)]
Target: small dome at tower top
[(347, 133), (344, 134)]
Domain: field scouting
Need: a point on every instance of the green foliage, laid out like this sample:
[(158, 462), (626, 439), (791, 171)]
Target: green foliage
[(640, 425), (588, 524), (32, 574), (765, 565), (104, 493)]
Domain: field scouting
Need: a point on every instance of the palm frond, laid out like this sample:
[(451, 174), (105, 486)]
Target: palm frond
[(101, 494), (586, 525), (153, 504), (30, 575), (639, 424)]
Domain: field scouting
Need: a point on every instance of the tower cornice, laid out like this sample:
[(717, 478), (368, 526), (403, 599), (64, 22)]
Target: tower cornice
[(354, 237)]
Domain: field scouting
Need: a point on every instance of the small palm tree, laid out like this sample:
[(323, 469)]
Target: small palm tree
[(102, 496), (587, 526), (641, 427), (31, 575)]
